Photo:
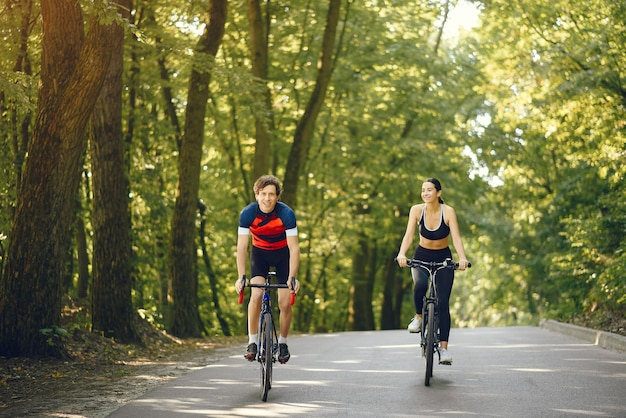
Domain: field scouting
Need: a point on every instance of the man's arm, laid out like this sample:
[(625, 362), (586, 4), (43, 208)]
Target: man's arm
[(294, 258), (242, 256)]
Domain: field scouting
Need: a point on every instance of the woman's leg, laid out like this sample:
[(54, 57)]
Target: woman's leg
[(420, 286), (445, 279)]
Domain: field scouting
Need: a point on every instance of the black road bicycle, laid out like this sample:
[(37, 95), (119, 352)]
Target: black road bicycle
[(430, 311), (267, 345)]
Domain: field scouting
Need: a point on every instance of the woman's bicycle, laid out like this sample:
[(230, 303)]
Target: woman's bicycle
[(267, 346), (430, 311)]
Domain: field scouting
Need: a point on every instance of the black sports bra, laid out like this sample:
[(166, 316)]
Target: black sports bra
[(442, 231)]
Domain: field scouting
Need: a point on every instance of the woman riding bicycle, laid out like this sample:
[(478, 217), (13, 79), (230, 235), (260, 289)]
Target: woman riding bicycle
[(437, 221)]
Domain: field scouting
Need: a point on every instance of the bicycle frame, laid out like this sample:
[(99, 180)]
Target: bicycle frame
[(430, 311), (266, 308), (430, 298), (267, 343)]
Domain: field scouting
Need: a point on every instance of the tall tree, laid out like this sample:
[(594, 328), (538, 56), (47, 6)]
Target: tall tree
[(304, 130), (264, 120), (112, 306), (72, 72), (362, 287), (184, 319)]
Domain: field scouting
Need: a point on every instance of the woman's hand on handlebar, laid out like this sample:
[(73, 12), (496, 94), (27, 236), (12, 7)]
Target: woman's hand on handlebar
[(463, 264), (402, 260)]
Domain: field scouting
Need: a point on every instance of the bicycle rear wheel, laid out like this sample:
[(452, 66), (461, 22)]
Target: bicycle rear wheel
[(266, 354), (430, 342)]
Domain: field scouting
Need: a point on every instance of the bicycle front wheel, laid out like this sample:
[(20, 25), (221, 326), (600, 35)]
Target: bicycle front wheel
[(266, 354), (430, 342)]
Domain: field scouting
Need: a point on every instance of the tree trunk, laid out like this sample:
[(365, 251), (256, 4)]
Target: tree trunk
[(259, 58), (111, 302), (389, 318), (213, 279), (83, 258), (362, 316), (183, 316), (72, 72), (304, 130)]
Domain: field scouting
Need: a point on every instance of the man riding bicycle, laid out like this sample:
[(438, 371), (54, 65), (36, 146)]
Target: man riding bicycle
[(272, 225)]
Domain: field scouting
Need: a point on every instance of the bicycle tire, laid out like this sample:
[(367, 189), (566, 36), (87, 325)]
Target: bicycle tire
[(430, 342), (266, 354), (271, 339)]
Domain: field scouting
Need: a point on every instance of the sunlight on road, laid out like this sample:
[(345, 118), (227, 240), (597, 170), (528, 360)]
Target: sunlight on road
[(534, 370), (583, 413), (268, 410)]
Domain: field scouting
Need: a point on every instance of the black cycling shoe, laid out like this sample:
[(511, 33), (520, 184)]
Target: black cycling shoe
[(283, 355), (250, 352)]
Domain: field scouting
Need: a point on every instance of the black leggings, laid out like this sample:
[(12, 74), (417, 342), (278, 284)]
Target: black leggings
[(445, 279)]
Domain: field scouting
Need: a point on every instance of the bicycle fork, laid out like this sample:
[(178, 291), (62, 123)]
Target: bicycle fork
[(428, 301)]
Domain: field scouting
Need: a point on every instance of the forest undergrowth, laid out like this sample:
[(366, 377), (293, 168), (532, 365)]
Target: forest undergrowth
[(99, 374)]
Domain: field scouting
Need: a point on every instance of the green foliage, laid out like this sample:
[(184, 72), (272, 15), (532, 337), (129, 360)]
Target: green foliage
[(556, 138), (522, 120), (17, 102), (54, 335)]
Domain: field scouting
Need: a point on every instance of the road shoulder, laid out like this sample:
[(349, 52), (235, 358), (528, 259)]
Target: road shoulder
[(606, 340)]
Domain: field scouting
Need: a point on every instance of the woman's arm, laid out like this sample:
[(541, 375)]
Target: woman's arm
[(407, 240), (456, 236)]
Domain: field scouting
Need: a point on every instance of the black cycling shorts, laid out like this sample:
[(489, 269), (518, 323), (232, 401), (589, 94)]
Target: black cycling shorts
[(262, 260)]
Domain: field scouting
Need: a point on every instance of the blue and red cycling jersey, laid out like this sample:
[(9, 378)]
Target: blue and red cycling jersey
[(269, 230)]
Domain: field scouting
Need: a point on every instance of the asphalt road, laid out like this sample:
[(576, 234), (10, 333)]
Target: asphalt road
[(497, 372)]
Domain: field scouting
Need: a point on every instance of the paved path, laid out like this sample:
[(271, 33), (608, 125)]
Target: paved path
[(497, 372)]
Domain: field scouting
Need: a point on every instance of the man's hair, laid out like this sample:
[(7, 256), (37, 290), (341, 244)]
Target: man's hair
[(264, 181)]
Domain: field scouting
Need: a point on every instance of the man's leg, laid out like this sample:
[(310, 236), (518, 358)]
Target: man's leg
[(285, 311), (286, 314), (254, 310)]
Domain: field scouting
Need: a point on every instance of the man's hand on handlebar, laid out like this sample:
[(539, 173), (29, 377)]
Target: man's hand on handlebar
[(294, 284), (240, 283)]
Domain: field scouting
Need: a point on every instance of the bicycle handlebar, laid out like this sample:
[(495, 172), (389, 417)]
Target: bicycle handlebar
[(447, 263), (292, 297)]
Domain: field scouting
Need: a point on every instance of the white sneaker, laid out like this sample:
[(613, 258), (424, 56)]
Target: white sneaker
[(416, 325), (445, 357)]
